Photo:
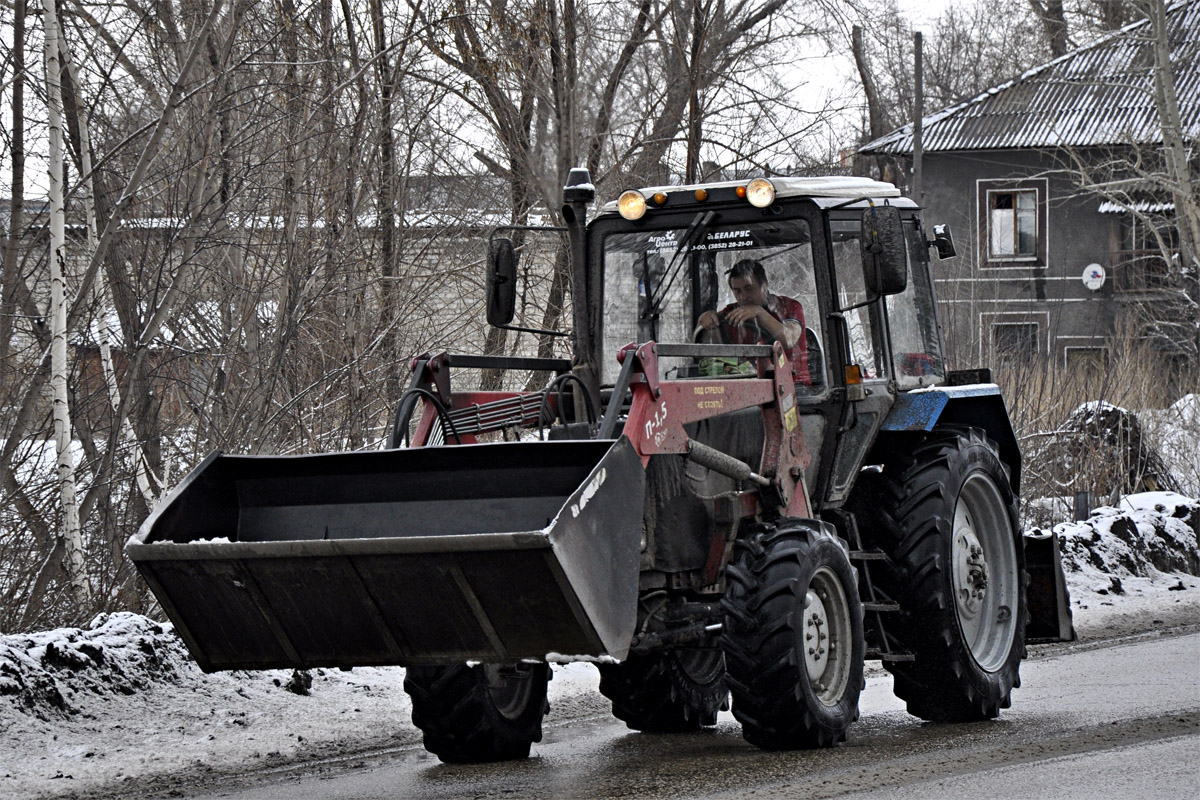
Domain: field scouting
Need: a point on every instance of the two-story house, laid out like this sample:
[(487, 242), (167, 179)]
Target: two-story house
[(1052, 186)]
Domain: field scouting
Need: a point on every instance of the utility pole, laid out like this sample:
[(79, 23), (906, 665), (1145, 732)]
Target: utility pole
[(918, 114)]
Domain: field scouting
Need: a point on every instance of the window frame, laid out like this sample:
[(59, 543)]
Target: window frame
[(986, 191), (990, 319), (1026, 327), (1139, 265)]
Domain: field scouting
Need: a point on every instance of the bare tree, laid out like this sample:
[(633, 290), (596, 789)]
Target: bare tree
[(288, 201), (1054, 23), (67, 313), (70, 534), (633, 90), (16, 216)]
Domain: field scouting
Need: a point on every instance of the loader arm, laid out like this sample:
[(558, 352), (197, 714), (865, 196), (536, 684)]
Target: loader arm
[(660, 409)]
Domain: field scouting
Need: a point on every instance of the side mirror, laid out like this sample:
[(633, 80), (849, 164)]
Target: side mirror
[(943, 241), (884, 256), (501, 282)]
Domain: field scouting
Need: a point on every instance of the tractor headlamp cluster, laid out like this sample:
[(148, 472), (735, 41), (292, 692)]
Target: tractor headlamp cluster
[(759, 192), (632, 205)]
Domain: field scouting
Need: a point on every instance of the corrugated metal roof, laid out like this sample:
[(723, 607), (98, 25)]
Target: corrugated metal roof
[(1097, 95), (1145, 206)]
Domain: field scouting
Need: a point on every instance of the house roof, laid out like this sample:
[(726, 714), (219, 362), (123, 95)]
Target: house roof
[(1097, 95)]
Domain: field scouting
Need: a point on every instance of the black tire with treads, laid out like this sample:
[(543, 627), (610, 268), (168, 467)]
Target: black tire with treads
[(666, 691), (479, 712), (943, 509), (793, 636)]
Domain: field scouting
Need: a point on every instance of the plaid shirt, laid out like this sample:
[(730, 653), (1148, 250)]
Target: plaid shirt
[(786, 310)]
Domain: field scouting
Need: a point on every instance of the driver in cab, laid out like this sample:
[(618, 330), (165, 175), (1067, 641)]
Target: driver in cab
[(759, 317)]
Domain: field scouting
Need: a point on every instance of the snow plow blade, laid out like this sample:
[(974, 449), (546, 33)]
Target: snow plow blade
[(1049, 603), (492, 553)]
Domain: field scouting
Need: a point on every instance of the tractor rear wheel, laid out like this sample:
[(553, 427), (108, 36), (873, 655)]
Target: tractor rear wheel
[(485, 712), (667, 691), (947, 516), (793, 637)]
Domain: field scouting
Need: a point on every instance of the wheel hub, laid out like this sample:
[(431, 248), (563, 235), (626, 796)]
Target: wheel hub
[(816, 635), (970, 572), (985, 573)]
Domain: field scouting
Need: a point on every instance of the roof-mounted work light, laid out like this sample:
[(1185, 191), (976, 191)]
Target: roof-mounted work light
[(632, 205), (760, 192)]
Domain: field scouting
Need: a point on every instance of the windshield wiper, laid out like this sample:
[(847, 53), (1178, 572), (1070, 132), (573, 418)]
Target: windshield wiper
[(695, 232)]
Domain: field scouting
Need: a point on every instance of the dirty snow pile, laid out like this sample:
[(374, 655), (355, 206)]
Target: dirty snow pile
[(121, 704), (49, 674), (1135, 565), (107, 706), (1150, 532), (119, 708)]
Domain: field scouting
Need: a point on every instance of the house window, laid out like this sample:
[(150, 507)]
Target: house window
[(1014, 341), (1012, 223), (1149, 250)]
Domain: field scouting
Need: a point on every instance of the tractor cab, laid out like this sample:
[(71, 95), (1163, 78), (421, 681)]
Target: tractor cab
[(845, 261)]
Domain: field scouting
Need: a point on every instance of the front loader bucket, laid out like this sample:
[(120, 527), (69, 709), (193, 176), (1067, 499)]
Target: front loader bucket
[(491, 553), (1049, 603)]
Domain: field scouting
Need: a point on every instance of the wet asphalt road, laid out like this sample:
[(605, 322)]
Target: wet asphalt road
[(1114, 721)]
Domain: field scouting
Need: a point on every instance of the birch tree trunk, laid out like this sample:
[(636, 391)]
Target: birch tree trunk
[(70, 533)]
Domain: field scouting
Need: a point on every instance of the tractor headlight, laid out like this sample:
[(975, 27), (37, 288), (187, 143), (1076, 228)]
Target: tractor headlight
[(632, 205), (760, 192)]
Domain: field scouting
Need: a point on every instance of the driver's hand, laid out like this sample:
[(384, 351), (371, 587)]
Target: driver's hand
[(710, 320), (742, 314)]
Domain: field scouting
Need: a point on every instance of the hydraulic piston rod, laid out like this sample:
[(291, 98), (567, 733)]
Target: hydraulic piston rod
[(723, 463)]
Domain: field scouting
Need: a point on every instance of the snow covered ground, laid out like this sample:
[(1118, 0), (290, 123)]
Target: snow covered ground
[(121, 704)]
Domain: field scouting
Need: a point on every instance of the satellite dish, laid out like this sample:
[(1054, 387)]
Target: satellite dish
[(1093, 276)]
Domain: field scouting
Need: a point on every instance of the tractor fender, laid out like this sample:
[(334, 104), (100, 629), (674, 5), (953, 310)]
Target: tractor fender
[(978, 405)]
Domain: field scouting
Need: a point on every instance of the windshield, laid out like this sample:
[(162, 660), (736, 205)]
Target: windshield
[(657, 283)]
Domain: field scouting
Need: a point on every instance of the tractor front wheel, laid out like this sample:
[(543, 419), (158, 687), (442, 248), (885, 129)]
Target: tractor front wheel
[(483, 712), (793, 636)]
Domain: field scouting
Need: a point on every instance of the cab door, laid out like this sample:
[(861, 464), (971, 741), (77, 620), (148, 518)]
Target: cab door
[(864, 344)]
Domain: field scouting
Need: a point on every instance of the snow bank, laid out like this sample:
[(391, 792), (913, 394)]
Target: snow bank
[(1130, 569), (51, 674), (1150, 532), (120, 708)]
